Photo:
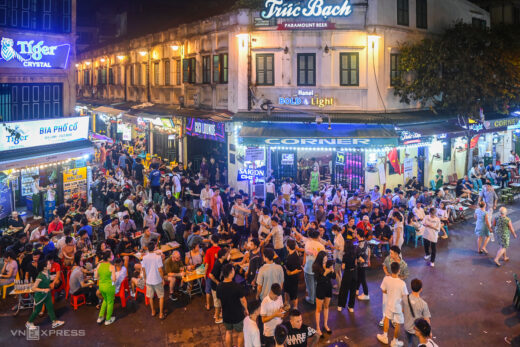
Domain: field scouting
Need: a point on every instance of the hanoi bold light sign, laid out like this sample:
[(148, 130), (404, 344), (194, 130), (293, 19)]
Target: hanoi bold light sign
[(310, 8), (29, 53)]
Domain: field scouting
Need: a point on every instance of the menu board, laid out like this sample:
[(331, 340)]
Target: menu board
[(27, 180), (74, 182)]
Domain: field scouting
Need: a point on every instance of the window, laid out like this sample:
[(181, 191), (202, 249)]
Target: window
[(349, 69), (156, 76), (111, 76), (306, 67), (167, 79), (189, 70), (39, 15), (446, 150), (206, 69), (402, 13), (102, 76), (421, 12), (395, 72), (178, 79), (132, 75), (139, 74), (220, 68), (25, 101), (265, 69), (479, 23), (516, 15), (86, 77)]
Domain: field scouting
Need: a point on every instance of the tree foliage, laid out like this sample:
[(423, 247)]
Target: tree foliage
[(462, 70), (249, 4)]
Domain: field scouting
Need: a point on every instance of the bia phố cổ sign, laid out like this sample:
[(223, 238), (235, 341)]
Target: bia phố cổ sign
[(309, 9)]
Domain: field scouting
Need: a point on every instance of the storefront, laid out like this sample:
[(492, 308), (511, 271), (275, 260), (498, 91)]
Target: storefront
[(55, 152)]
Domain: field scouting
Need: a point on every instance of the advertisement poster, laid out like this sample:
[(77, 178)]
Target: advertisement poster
[(408, 169), (27, 180), (74, 182), (254, 154), (17, 135), (382, 174), (287, 158), (205, 129), (6, 202)]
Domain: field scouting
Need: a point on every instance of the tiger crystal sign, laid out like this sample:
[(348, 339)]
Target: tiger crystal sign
[(29, 53), (309, 9)]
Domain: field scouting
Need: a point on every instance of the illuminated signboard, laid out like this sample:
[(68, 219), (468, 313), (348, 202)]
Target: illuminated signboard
[(16, 135), (306, 26), (205, 129), (250, 174), (306, 98), (310, 8), (29, 53)]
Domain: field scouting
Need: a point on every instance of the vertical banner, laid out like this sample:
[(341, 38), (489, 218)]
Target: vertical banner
[(6, 200), (408, 169), (74, 182), (382, 174)]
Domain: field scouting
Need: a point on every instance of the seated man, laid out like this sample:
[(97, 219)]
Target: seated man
[(149, 236), (383, 233), (79, 285), (173, 270)]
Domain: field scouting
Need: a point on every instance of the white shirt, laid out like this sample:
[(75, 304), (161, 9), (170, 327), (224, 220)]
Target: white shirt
[(431, 233), (91, 213), (151, 264), (251, 333), (312, 248), (286, 189), (35, 187), (263, 219), (205, 196), (177, 183), (338, 200), (277, 237), (268, 308), (270, 188), (411, 203), (51, 194), (339, 242), (395, 290), (36, 234), (419, 213)]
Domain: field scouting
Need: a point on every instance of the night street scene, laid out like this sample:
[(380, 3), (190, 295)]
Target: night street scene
[(260, 173)]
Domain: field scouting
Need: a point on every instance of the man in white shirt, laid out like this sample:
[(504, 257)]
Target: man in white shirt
[(269, 274), (270, 190), (339, 247), (299, 205), (177, 185), (38, 232), (395, 289), (412, 201), (277, 235), (339, 200), (418, 211), (153, 275), (272, 312), (205, 197), (251, 331), (91, 213), (286, 190)]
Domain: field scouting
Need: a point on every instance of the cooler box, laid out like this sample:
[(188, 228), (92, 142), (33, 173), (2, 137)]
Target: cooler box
[(29, 202), (49, 209)]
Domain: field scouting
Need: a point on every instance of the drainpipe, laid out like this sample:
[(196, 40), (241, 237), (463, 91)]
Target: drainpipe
[(148, 70), (249, 73)]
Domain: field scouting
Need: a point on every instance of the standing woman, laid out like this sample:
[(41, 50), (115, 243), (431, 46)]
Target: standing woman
[(42, 296), (503, 227), (482, 227), (398, 235), (432, 226), (324, 272), (106, 276), (151, 220), (347, 289)]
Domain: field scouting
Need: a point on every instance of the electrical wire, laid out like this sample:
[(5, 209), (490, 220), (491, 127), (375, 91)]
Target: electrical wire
[(375, 78)]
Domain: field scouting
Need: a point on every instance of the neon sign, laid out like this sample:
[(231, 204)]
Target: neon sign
[(306, 98), (250, 174), (310, 8), (33, 54)]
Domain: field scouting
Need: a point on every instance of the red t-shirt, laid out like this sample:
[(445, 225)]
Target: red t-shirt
[(366, 228), (54, 227), (386, 203), (210, 257)]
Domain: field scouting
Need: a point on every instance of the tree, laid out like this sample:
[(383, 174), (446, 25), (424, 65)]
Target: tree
[(249, 4), (463, 70)]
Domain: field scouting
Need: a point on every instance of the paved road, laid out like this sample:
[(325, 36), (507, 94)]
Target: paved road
[(469, 297)]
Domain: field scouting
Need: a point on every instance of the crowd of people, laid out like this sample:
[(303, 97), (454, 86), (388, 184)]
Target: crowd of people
[(117, 243)]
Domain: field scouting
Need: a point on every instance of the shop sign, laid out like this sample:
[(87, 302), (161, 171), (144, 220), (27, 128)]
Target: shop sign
[(310, 8), (500, 123), (29, 53), (205, 129), (340, 158), (306, 26), (17, 135), (287, 158), (306, 98), (251, 174), (318, 141), (409, 135), (74, 182), (254, 154)]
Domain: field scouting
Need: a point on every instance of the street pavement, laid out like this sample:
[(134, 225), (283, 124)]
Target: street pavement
[(469, 297)]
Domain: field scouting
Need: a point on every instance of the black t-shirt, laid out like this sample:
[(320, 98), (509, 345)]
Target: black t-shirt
[(292, 262), (15, 223), (217, 268), (230, 294), (298, 337), (139, 172), (33, 270), (384, 232), (255, 263), (196, 189)]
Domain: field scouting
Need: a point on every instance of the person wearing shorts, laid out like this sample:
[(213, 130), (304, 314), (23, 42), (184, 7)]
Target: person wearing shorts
[(234, 306), (215, 277), (395, 289), (292, 269), (152, 266)]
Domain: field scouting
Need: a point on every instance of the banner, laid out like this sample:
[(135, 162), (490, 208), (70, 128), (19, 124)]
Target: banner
[(17, 135), (382, 174), (74, 182), (6, 205), (250, 174), (408, 168)]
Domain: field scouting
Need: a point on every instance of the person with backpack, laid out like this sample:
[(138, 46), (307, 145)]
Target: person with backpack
[(414, 308), (155, 181)]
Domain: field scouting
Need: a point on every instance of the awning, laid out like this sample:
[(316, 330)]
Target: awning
[(45, 154), (317, 135), (167, 110), (108, 110), (434, 128)]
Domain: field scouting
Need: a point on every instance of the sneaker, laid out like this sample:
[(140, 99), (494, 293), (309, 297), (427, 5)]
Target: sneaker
[(396, 343), (383, 338), (426, 257), (173, 297), (57, 323), (132, 294), (382, 322), (218, 321), (100, 320), (30, 325), (37, 217), (110, 321), (340, 308), (432, 264), (351, 310), (363, 297), (444, 236)]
